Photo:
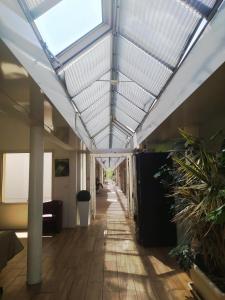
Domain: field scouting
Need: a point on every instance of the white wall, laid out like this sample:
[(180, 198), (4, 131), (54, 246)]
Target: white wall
[(65, 188)]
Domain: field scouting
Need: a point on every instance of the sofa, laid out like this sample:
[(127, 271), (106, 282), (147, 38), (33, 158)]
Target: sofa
[(52, 216)]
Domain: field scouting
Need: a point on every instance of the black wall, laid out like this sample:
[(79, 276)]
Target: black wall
[(153, 220)]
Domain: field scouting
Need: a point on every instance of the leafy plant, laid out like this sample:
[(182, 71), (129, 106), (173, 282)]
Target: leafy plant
[(199, 190), (184, 256)]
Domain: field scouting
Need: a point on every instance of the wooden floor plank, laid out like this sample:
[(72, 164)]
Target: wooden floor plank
[(102, 262)]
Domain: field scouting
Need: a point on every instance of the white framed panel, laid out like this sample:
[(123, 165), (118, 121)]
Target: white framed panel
[(141, 67), (89, 66), (162, 27), (132, 91)]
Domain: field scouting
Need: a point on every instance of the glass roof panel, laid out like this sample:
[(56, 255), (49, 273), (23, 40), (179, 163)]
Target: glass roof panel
[(136, 64), (163, 28), (125, 119), (67, 22), (93, 110), (129, 108), (117, 143), (102, 134), (104, 143), (132, 91), (116, 131), (99, 122), (89, 66), (93, 93)]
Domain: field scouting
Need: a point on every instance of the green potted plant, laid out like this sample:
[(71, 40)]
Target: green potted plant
[(198, 186)]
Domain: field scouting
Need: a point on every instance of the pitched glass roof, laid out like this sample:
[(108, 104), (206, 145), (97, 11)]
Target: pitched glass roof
[(67, 22), (121, 68)]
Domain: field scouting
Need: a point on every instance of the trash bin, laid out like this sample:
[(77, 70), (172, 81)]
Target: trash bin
[(83, 203)]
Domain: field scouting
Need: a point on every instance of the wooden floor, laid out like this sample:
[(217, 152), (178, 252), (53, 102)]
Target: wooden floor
[(99, 262)]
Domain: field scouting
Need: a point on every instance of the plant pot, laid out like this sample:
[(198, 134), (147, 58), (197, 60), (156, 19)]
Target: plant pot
[(84, 212), (204, 286)]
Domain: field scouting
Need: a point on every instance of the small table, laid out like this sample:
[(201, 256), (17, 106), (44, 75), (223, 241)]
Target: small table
[(10, 245)]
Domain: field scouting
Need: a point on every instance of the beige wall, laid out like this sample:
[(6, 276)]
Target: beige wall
[(13, 216)]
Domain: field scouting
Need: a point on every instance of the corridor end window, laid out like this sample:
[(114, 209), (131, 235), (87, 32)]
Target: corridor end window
[(67, 22), (16, 177)]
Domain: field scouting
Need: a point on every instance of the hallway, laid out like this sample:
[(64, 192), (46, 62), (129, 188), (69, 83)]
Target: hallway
[(99, 262)]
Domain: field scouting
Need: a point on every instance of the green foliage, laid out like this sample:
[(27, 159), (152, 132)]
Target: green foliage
[(109, 173), (199, 189), (184, 256)]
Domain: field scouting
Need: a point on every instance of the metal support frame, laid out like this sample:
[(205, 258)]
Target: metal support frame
[(114, 73)]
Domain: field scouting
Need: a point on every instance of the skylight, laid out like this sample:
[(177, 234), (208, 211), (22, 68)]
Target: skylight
[(67, 22)]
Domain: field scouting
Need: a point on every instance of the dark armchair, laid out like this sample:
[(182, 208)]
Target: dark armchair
[(52, 216)]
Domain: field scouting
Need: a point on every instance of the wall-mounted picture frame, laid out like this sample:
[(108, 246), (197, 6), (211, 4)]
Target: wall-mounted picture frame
[(62, 167)]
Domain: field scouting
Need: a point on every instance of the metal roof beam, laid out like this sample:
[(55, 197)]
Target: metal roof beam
[(114, 72)]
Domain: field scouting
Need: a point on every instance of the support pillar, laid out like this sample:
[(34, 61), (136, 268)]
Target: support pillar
[(93, 185), (35, 201)]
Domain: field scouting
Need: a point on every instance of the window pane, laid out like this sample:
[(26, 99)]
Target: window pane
[(16, 177), (68, 21)]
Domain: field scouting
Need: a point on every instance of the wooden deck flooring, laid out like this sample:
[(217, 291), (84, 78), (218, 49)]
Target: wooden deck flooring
[(99, 262)]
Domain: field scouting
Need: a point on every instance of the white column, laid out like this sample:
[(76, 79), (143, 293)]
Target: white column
[(34, 251), (92, 186), (128, 185)]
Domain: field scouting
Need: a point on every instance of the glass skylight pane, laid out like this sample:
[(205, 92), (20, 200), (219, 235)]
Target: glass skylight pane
[(125, 120), (104, 143), (93, 110), (136, 64), (120, 134), (134, 92), (93, 93), (117, 143), (99, 122), (102, 135), (68, 21), (89, 66), (129, 108), (161, 27)]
